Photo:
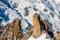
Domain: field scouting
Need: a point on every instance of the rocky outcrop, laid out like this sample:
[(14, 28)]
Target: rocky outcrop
[(37, 27), (58, 36), (28, 33), (11, 31), (17, 28)]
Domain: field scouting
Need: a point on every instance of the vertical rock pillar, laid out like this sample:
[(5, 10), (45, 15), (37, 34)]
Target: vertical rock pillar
[(17, 28), (37, 27), (58, 36)]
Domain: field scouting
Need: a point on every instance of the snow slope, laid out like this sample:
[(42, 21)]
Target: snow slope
[(42, 37)]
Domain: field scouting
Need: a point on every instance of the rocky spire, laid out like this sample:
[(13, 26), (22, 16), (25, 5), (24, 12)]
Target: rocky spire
[(37, 27)]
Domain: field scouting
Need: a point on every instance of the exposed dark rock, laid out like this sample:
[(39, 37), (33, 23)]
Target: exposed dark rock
[(59, 16), (1, 32), (35, 9), (52, 14), (26, 11), (45, 10)]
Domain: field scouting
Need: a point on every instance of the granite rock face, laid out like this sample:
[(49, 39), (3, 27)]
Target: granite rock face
[(11, 31), (37, 27)]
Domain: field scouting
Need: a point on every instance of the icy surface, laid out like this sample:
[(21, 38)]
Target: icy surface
[(25, 9), (42, 37)]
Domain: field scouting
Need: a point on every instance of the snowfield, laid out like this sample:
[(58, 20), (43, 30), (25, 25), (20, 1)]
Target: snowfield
[(42, 37)]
